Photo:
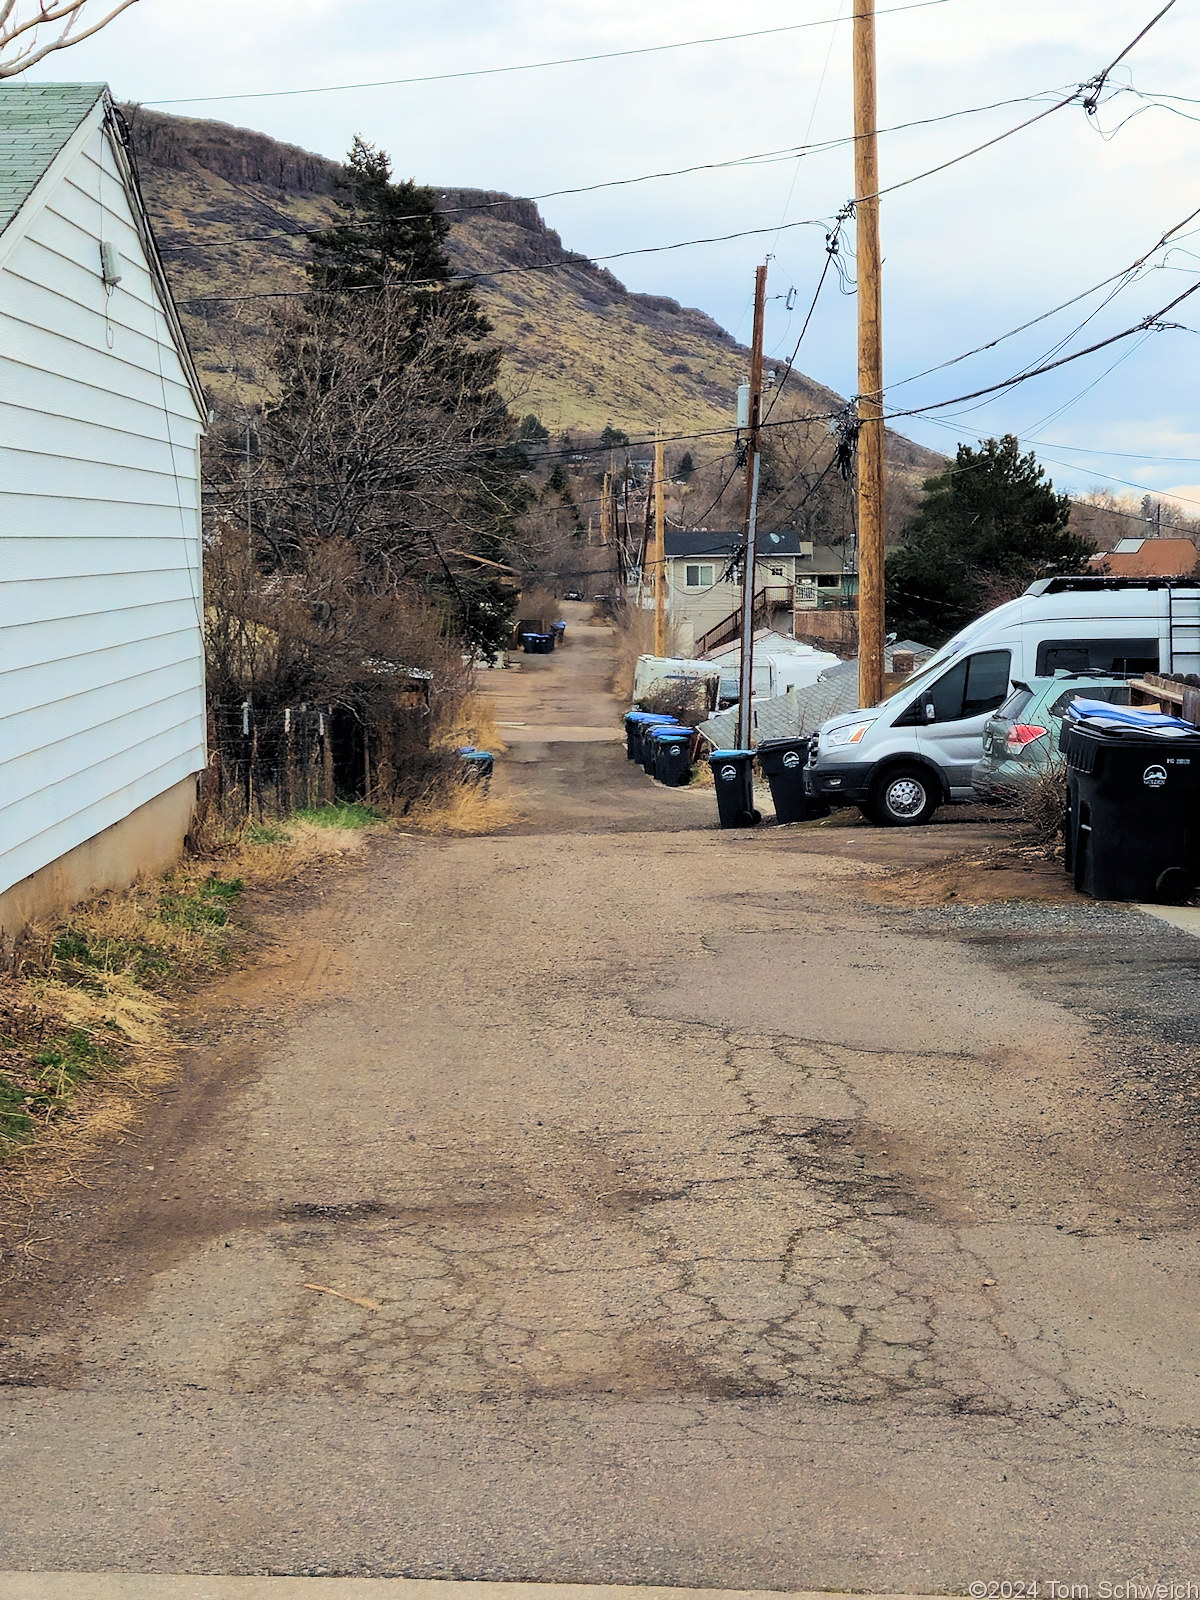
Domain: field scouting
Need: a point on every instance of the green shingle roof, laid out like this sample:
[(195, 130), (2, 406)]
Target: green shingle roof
[(36, 120)]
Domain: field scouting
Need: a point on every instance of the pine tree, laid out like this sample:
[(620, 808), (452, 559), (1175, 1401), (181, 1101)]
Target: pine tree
[(988, 525), (390, 431)]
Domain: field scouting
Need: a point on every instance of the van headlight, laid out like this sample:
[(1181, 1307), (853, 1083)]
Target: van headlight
[(848, 735)]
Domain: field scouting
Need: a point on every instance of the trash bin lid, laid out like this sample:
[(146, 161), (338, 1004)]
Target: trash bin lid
[(476, 755), (670, 733), (727, 755), (647, 716), (800, 740), (1169, 730), (1130, 716)]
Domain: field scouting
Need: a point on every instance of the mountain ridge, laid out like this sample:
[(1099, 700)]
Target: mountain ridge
[(232, 208)]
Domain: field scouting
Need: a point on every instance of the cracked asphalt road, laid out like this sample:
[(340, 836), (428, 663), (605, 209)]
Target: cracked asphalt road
[(616, 1200)]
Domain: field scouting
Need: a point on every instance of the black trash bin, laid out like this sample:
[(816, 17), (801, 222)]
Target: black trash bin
[(733, 777), (1133, 811), (647, 752), (477, 765), (632, 721), (783, 762), (672, 756)]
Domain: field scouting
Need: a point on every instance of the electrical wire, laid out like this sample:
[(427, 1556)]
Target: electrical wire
[(742, 233), (532, 66), (1154, 322), (1126, 275), (498, 272), (758, 158)]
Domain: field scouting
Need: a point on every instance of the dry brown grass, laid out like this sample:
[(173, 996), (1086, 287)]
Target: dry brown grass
[(634, 636), (466, 811), (86, 1017), (475, 724)]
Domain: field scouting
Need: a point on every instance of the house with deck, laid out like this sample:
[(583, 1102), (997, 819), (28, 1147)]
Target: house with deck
[(102, 713), (704, 582)]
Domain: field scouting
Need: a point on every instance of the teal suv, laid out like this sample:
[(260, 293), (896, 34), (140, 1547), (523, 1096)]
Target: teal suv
[(1022, 740)]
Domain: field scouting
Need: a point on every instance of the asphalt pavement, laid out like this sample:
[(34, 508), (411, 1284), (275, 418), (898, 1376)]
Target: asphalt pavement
[(615, 1200)]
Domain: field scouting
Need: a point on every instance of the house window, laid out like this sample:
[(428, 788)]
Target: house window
[(698, 576), (828, 580), (777, 572)]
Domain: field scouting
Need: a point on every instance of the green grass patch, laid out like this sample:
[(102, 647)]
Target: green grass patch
[(40, 1086), (267, 833), (341, 814), (208, 905), (74, 950)]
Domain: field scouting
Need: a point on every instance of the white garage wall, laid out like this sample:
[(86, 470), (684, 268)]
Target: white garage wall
[(101, 647)]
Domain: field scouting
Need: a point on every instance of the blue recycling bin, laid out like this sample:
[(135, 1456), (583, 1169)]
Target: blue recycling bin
[(673, 756), (646, 723), (648, 741), (633, 730), (733, 779)]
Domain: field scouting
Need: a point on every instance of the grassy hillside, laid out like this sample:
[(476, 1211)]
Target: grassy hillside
[(230, 207)]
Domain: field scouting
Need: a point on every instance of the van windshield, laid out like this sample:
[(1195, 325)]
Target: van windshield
[(932, 669)]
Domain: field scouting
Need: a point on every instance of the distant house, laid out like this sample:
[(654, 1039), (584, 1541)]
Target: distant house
[(102, 726), (1147, 558), (704, 582)]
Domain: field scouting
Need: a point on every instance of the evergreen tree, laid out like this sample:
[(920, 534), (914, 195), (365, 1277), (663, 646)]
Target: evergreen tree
[(390, 431), (613, 438), (988, 525), (531, 429), (686, 468)]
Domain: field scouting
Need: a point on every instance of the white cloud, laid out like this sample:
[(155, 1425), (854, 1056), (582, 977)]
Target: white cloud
[(969, 253)]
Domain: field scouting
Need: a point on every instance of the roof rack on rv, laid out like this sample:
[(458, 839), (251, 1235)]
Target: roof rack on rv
[(1083, 582)]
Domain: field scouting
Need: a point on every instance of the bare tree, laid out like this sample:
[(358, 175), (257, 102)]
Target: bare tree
[(30, 32)]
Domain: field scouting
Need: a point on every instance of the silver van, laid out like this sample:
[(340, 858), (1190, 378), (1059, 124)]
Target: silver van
[(901, 760)]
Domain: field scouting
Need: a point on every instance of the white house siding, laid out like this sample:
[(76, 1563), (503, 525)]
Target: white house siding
[(101, 649)]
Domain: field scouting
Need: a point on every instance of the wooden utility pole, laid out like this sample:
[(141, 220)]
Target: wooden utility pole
[(745, 719), (870, 364), (660, 551), (606, 511)]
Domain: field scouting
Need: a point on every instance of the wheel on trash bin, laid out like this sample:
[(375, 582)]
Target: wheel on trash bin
[(902, 797)]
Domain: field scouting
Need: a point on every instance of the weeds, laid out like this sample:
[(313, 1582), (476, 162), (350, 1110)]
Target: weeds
[(91, 999), (351, 814)]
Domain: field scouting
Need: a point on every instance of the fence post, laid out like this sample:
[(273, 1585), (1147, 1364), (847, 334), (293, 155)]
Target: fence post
[(325, 730), (289, 763), (248, 757)]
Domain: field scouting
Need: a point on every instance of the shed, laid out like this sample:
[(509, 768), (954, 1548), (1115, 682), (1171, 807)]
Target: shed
[(102, 725)]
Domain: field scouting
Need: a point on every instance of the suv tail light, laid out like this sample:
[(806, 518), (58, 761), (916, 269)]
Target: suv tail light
[(1021, 734)]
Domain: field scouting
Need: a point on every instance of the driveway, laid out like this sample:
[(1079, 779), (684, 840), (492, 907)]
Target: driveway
[(617, 1200)]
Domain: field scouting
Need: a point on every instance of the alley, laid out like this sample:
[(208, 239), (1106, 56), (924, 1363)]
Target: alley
[(613, 1199)]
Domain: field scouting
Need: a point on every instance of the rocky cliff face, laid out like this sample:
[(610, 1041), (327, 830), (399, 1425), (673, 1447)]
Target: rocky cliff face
[(232, 208)]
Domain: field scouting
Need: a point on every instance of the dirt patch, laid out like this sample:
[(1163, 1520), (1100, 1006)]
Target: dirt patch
[(973, 878)]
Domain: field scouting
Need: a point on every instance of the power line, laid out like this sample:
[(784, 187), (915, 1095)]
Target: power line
[(1116, 277), (762, 157), (530, 66), (499, 272), (743, 233), (1097, 83), (1153, 322)]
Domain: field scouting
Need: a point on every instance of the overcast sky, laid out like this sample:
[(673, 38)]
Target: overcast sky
[(969, 253)]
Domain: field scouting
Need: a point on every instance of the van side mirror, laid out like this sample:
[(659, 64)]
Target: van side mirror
[(930, 711)]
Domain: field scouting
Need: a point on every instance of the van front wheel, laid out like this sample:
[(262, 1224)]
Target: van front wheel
[(902, 797)]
